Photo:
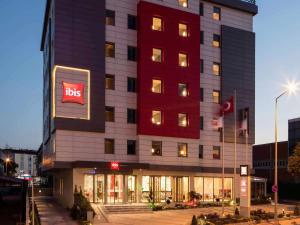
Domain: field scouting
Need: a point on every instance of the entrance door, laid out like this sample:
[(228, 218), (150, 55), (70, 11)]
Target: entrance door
[(99, 188), (155, 188), (115, 189), (181, 189), (131, 196)]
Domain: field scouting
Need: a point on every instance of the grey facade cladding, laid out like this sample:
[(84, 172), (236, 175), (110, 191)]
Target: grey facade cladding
[(237, 4), (238, 73), (80, 42)]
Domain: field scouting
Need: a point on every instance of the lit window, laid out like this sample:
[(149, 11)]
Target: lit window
[(156, 86), (182, 150), (183, 3), (182, 120), (156, 148), (182, 60), (109, 82), (110, 49), (216, 97), (182, 90), (110, 17), (183, 30), (156, 24), (156, 55), (216, 41), (109, 114), (156, 117), (217, 13), (216, 152), (216, 69)]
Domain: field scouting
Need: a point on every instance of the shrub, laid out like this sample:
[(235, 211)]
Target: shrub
[(194, 220), (236, 212), (296, 211)]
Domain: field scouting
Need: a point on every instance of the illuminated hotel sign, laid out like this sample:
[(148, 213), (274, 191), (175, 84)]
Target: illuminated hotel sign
[(114, 165), (244, 170), (73, 93)]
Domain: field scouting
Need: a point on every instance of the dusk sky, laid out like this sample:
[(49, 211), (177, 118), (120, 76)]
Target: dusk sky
[(277, 28)]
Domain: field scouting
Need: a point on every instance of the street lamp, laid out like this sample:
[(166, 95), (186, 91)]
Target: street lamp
[(7, 160), (290, 88)]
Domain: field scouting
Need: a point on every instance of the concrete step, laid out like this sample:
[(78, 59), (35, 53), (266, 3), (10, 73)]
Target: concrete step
[(122, 209)]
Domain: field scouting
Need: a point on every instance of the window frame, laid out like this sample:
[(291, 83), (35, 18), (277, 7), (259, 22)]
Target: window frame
[(159, 143), (179, 151), (161, 23), (131, 112), (186, 60), (131, 22), (131, 81), (132, 53), (182, 4), (107, 52), (186, 119), (128, 147), (217, 13), (161, 55), (107, 76), (152, 118), (161, 85), (214, 72), (113, 15), (186, 30), (105, 146), (216, 43), (217, 148), (201, 151), (219, 97), (110, 109), (186, 89)]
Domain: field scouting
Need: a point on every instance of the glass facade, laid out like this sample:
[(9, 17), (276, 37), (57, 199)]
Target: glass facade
[(210, 188)]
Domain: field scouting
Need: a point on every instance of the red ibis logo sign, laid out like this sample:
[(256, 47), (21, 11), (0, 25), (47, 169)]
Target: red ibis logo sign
[(73, 93)]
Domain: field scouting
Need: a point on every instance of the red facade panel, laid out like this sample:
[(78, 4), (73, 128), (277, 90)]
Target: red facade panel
[(171, 74)]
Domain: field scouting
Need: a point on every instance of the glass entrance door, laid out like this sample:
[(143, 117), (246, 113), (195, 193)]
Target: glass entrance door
[(99, 188), (181, 189), (131, 196), (115, 189)]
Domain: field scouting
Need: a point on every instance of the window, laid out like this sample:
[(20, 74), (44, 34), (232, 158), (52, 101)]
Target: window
[(182, 59), (156, 55), (109, 114), (201, 66), (202, 37), (131, 115), (156, 24), (110, 17), (216, 97), (156, 148), (200, 151), (182, 119), (182, 90), (156, 86), (183, 30), (201, 123), (110, 49), (217, 41), (216, 69), (131, 53), (182, 150), (156, 117), (131, 84), (217, 13), (131, 22), (201, 9), (131, 146), (216, 152), (109, 146), (183, 3), (109, 82), (201, 94)]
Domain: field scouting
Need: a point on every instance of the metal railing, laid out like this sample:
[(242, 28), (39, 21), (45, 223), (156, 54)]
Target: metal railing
[(250, 1)]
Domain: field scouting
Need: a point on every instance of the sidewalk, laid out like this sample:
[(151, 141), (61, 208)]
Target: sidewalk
[(51, 213)]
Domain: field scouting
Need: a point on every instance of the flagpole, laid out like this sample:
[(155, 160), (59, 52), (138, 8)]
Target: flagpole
[(223, 169), (234, 186)]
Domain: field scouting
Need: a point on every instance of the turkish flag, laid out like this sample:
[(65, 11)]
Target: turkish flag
[(228, 106)]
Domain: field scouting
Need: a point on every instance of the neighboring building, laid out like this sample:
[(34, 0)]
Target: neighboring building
[(130, 91), (263, 162), (26, 160), (294, 134)]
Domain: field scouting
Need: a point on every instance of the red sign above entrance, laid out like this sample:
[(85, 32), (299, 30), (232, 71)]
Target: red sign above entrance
[(73, 93), (114, 166)]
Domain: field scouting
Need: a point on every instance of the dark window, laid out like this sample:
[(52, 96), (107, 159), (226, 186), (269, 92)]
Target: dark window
[(131, 115), (131, 145), (201, 37), (131, 84), (131, 53), (200, 151), (110, 17), (110, 49), (216, 152), (201, 66), (201, 9), (201, 94), (109, 114), (217, 41), (109, 146), (110, 82), (201, 123), (131, 22), (156, 148)]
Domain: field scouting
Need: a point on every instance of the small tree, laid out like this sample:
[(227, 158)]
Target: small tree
[(194, 221), (294, 162)]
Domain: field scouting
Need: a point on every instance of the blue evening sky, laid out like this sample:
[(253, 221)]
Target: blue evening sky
[(277, 28)]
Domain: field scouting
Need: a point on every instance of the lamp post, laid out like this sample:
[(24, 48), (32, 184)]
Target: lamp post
[(290, 88), (7, 160)]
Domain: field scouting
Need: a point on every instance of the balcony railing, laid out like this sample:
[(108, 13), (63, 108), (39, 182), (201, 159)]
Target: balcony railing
[(250, 1)]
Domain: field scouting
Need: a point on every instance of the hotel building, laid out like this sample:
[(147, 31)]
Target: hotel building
[(130, 91)]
